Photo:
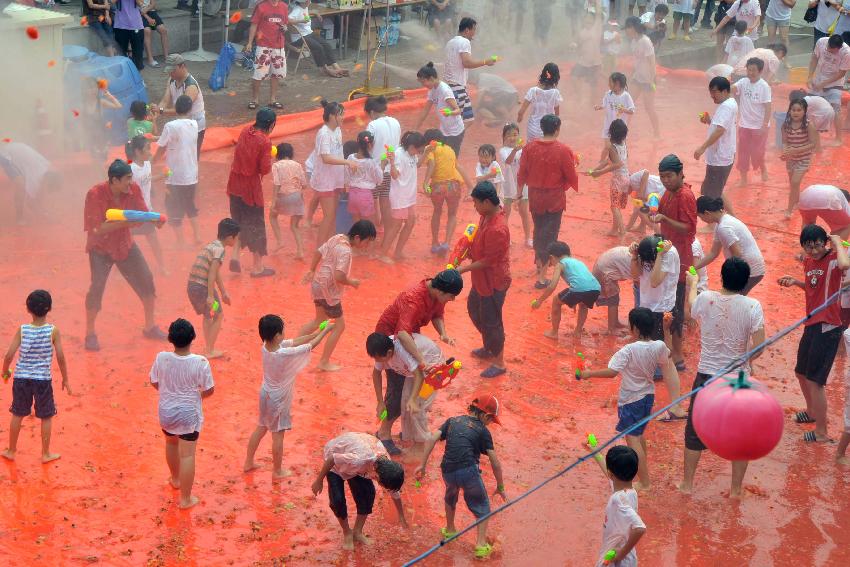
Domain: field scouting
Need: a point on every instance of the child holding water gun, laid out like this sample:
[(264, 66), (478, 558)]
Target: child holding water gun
[(37, 341), (442, 182), (282, 361), (641, 186), (467, 438), (289, 182), (636, 363), (614, 160), (583, 288), (363, 182), (386, 131), (139, 123), (205, 276), (544, 98), (488, 169), (509, 156), (617, 102), (403, 164), (329, 272), (138, 151), (440, 95)]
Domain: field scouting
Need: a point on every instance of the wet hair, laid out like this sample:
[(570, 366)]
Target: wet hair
[(550, 124), (427, 71), (662, 9), (670, 162), (487, 150), (134, 146), (641, 318), (550, 75), (648, 250), (118, 169), (227, 227), (365, 138), (620, 78), (138, 110), (378, 344), (706, 204), (508, 128), (777, 47), (558, 249), (376, 104), (265, 119), (183, 105), (618, 131), (414, 139), (786, 126), (720, 83), (466, 24), (734, 274), (835, 41), (622, 461), (331, 109), (485, 191), (477, 412), (797, 94), (364, 229), (759, 64), (448, 281), (39, 302), (285, 151), (846, 194), (390, 473), (812, 233), (350, 147), (269, 327), (741, 27), (181, 333), (434, 135), (635, 23)]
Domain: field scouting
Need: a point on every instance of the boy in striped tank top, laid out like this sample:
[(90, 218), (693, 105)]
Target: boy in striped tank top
[(37, 342)]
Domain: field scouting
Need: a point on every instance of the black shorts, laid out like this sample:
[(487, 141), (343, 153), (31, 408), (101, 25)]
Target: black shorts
[(252, 225), (679, 310), (715, 180), (392, 396), (692, 440), (134, 268), (157, 21), (180, 202), (198, 298), (331, 311), (25, 392), (546, 229), (362, 491), (185, 437), (816, 353), (572, 298)]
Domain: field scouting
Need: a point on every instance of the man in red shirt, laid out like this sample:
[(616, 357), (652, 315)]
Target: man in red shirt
[(823, 269), (252, 159), (677, 220), (110, 242), (491, 277), (268, 35), (412, 309), (548, 168)]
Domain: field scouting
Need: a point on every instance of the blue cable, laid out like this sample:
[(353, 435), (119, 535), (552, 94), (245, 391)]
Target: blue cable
[(736, 363)]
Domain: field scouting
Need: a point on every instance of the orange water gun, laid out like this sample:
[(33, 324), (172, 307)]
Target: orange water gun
[(440, 377), (461, 250)]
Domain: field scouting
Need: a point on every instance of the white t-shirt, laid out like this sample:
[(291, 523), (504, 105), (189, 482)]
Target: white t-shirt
[(180, 140), (509, 172), (820, 112), (722, 152), (702, 273), (636, 362), (682, 6), (736, 47), (498, 180), (142, 178), (454, 72), (748, 12), (27, 163), (830, 63), (614, 106), (181, 380), (726, 324), (621, 515), (449, 125), (731, 230), (653, 185), (367, 176), (542, 102), (826, 15), (778, 10), (719, 70), (771, 62), (280, 368), (387, 132), (752, 97), (297, 12), (661, 299), (402, 362), (326, 177), (403, 189), (643, 50), (823, 197)]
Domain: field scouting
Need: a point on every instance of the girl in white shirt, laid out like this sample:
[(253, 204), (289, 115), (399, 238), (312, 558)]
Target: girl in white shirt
[(403, 164), (614, 160), (544, 99), (362, 183), (488, 169), (509, 156), (387, 132), (440, 95), (139, 155), (617, 102)]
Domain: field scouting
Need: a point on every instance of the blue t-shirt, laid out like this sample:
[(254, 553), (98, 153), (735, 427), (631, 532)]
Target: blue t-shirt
[(578, 276)]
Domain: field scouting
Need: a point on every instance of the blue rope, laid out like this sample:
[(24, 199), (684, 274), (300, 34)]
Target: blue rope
[(736, 363)]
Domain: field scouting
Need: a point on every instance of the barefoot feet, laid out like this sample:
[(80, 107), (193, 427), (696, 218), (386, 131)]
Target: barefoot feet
[(684, 487), (8, 455), (193, 500), (49, 457), (329, 367), (174, 482), (348, 542)]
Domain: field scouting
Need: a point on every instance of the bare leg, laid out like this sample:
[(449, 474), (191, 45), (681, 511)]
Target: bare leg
[(312, 325), (14, 432), (277, 455), (91, 317), (817, 395), (637, 443), (450, 519), (795, 180), (212, 327), (257, 263), (275, 228), (391, 230), (295, 227), (46, 428), (649, 105), (357, 532), (347, 534), (253, 444), (614, 319), (178, 235), (451, 221), (804, 388), (163, 36), (187, 473), (149, 303), (582, 317), (329, 204), (525, 217), (255, 90), (386, 211), (841, 449), (404, 235), (739, 469), (148, 45), (556, 318), (196, 231), (481, 534), (691, 462), (172, 458), (273, 89), (330, 345), (436, 216), (616, 222), (311, 209), (507, 208)]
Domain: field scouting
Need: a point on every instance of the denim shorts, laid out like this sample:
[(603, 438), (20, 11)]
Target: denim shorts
[(634, 412), (474, 494)]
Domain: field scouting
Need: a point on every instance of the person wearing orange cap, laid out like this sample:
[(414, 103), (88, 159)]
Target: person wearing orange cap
[(467, 438)]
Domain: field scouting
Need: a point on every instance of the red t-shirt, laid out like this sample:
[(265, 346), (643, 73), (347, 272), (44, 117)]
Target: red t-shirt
[(115, 244), (680, 206), (252, 159), (822, 279), (271, 23), (549, 170), (492, 244), (413, 309)]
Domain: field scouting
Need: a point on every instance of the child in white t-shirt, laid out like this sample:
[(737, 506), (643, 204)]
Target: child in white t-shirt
[(488, 169), (403, 184), (509, 156), (282, 361), (545, 98), (617, 102), (363, 182), (614, 160), (441, 97), (138, 151), (738, 44), (641, 186)]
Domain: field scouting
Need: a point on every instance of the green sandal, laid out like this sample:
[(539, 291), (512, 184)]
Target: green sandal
[(446, 533), (483, 551)]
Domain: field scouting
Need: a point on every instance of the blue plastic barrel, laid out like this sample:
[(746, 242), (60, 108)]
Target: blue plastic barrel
[(76, 53), (343, 217), (778, 121)]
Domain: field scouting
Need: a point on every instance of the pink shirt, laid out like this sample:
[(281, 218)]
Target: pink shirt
[(354, 454), (336, 256), (289, 176)]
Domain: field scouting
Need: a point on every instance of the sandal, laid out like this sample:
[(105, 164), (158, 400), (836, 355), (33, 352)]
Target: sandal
[(493, 371), (481, 353), (446, 533), (276, 105), (811, 437), (670, 416), (483, 551), (803, 417), (252, 105)]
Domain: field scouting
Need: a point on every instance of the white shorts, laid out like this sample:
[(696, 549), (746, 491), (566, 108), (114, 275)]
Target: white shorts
[(275, 412), (269, 61)]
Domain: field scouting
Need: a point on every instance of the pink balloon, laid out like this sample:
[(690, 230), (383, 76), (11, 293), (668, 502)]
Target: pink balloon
[(741, 424)]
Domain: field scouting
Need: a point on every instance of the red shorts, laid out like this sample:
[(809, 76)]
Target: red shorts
[(835, 219), (445, 192)]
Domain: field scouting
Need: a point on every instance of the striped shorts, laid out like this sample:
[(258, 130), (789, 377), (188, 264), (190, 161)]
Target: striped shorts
[(382, 189), (463, 102)]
